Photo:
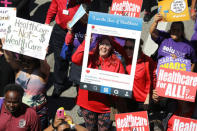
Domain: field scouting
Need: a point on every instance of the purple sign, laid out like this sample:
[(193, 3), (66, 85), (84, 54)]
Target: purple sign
[(176, 64)]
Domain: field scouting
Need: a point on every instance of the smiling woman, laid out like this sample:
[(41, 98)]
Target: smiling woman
[(96, 110), (104, 51), (103, 54)]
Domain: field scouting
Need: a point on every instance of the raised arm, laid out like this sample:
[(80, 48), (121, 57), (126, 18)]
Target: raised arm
[(153, 29), (193, 10), (9, 56), (69, 35), (44, 69)]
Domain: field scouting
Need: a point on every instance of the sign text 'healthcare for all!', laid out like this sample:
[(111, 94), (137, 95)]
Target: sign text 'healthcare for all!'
[(175, 84)]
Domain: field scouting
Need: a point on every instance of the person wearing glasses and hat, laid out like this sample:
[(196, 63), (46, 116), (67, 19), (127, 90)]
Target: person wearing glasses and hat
[(145, 76)]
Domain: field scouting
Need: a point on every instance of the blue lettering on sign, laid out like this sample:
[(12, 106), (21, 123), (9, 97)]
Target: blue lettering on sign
[(105, 90), (110, 20)]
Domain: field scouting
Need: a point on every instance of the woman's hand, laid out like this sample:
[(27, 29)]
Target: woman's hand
[(193, 11), (68, 119), (68, 27), (173, 56), (153, 28), (193, 14), (155, 97), (57, 121), (69, 38), (45, 68), (158, 17)]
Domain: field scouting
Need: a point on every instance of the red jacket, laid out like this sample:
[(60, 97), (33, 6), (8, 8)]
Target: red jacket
[(145, 77), (57, 7), (93, 101)]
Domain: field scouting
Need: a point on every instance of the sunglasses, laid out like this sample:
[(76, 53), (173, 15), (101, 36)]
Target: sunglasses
[(128, 47), (107, 44)]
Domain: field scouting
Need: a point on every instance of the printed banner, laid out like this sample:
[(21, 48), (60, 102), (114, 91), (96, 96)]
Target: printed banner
[(28, 38), (176, 64), (184, 124), (130, 8), (174, 10), (136, 121), (6, 16), (176, 84), (119, 28)]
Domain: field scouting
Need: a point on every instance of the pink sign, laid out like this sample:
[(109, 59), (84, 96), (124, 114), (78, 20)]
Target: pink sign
[(184, 124), (130, 8), (175, 84), (135, 121)]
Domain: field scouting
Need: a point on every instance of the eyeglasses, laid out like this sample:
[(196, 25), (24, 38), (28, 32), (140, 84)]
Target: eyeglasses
[(107, 44), (129, 47)]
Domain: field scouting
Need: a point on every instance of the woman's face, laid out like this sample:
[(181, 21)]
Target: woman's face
[(176, 32), (129, 46), (104, 48)]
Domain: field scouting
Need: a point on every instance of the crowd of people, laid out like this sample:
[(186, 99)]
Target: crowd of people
[(23, 79)]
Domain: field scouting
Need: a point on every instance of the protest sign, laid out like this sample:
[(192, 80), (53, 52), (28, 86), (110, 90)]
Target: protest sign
[(136, 121), (174, 10), (78, 15), (184, 124), (130, 8), (109, 82), (28, 38), (176, 84), (6, 16), (177, 64)]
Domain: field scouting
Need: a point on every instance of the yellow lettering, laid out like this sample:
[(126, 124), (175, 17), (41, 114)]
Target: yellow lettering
[(171, 65), (183, 67), (177, 66), (166, 65)]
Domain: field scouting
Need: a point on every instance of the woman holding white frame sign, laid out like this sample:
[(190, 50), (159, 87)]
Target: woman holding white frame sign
[(96, 106)]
